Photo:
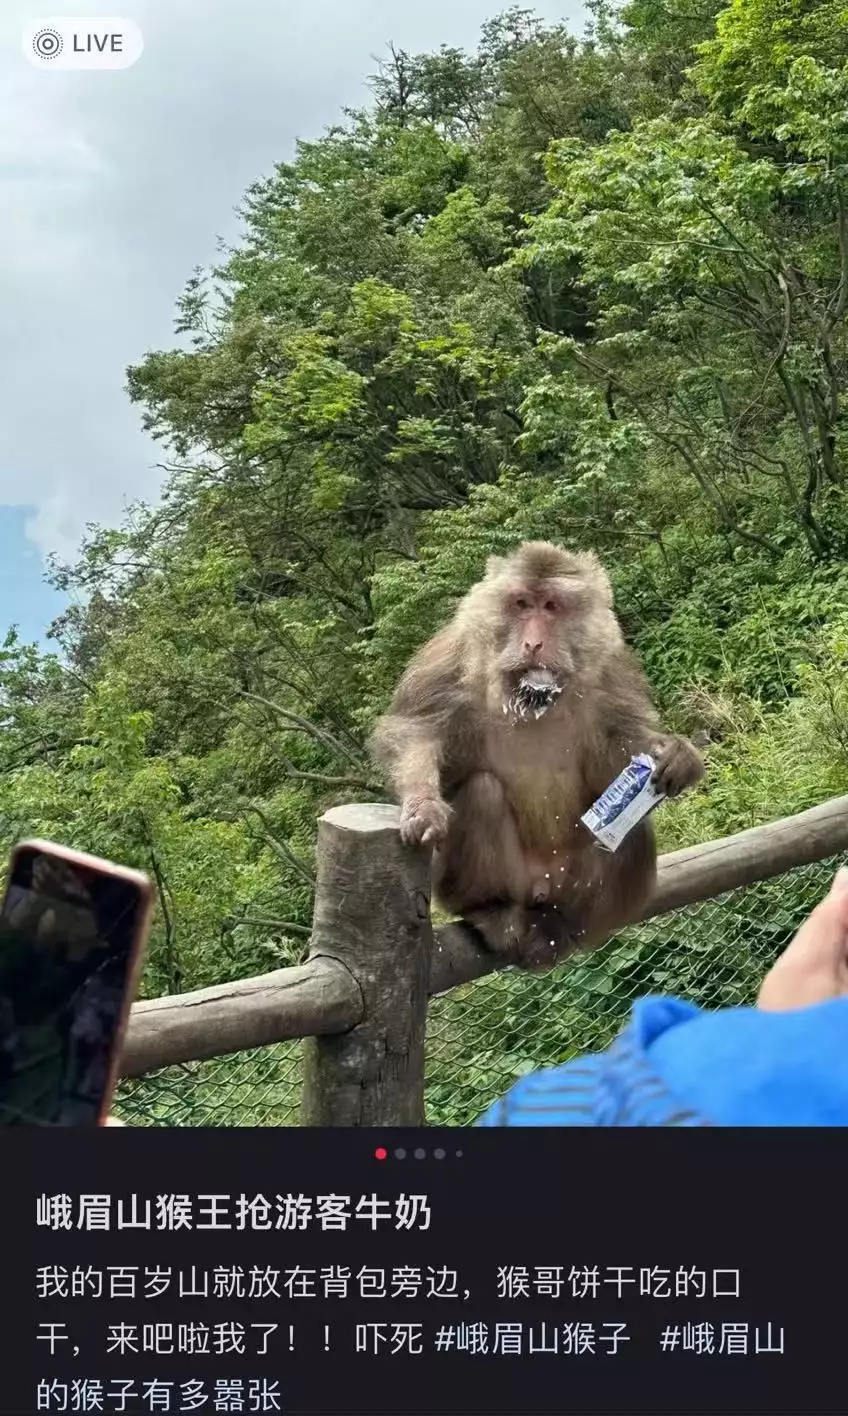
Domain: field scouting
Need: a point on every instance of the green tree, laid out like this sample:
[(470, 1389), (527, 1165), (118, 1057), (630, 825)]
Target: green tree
[(589, 289)]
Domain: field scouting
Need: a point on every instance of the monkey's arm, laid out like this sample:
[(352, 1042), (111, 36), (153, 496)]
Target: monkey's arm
[(632, 720), (408, 742), (424, 815)]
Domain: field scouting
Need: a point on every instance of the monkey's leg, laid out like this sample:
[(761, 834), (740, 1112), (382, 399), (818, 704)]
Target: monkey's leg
[(602, 893), (548, 934), (480, 872), (484, 873), (482, 859), (594, 896)]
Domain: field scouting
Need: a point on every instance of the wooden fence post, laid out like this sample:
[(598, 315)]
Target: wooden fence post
[(372, 914)]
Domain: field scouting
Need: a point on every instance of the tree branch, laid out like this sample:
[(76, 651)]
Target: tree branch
[(284, 851), (261, 923), (303, 724), (840, 301), (356, 783)]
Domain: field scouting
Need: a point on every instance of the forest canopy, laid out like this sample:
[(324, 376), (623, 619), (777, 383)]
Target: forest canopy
[(587, 288)]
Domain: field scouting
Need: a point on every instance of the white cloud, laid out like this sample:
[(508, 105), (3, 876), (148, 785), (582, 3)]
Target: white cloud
[(113, 186), (44, 169)]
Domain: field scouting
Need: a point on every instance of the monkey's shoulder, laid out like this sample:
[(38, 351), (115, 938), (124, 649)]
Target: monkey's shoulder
[(436, 683), (621, 677)]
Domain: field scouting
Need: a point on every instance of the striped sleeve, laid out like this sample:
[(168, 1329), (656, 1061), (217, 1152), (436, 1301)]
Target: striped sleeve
[(613, 1088), (557, 1096)]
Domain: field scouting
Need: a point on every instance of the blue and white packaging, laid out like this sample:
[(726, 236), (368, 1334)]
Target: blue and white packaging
[(626, 802)]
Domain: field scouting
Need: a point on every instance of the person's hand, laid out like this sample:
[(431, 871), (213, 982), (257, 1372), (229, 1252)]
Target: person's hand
[(814, 968), (112, 1121)]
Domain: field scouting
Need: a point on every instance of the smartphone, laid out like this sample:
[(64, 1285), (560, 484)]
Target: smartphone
[(73, 930)]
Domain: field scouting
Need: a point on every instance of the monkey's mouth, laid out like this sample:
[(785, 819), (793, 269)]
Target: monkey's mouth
[(533, 694)]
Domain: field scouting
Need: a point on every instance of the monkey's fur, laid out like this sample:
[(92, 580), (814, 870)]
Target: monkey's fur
[(500, 795)]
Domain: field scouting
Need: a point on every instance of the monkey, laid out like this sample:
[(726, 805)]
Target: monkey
[(503, 730)]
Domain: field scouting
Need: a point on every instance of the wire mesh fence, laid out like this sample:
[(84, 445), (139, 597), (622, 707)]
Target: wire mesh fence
[(484, 1035)]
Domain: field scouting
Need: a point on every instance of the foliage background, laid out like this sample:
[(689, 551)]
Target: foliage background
[(589, 288)]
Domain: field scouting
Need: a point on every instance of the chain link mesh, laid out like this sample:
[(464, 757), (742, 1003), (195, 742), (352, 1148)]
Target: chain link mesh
[(482, 1036)]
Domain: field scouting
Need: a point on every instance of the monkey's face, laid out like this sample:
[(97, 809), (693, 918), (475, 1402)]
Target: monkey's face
[(550, 630), (540, 622), (538, 630)]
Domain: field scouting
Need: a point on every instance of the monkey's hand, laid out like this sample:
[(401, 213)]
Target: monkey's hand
[(424, 821), (679, 765)]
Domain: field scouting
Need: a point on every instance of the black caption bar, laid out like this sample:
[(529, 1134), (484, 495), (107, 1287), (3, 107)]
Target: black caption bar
[(333, 1273)]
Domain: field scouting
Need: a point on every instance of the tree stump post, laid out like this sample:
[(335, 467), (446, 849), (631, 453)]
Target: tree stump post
[(372, 914)]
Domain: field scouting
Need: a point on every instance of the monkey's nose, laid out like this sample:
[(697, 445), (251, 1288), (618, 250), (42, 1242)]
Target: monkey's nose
[(532, 648)]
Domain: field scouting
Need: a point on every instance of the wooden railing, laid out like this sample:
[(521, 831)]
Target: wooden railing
[(360, 1000)]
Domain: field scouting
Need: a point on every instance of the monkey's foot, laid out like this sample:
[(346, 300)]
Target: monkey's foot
[(499, 926), (549, 936), (535, 939)]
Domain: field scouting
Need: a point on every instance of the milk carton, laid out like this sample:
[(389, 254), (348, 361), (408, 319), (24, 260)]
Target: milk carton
[(626, 802)]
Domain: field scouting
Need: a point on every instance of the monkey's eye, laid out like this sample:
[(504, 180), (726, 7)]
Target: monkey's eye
[(522, 604), (551, 606)]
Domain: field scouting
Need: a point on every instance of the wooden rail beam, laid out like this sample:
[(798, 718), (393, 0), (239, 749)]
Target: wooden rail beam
[(703, 872), (684, 877), (373, 945), (317, 997)]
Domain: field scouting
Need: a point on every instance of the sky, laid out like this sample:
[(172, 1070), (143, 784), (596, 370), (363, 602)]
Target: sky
[(114, 186)]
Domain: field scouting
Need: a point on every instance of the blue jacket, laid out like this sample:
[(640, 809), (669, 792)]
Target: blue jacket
[(675, 1065)]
